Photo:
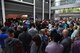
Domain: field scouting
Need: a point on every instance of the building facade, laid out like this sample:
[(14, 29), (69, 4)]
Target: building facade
[(25, 7), (66, 8)]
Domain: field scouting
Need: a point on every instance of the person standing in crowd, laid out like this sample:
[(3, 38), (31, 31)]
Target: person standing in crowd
[(36, 45), (7, 23), (54, 46), (74, 28), (73, 35), (56, 26), (26, 39), (68, 21), (65, 25), (52, 36), (50, 26), (3, 36), (38, 25), (44, 24), (46, 31), (33, 31), (44, 39), (12, 45), (70, 29), (76, 43), (27, 22), (66, 42), (17, 32), (60, 29)]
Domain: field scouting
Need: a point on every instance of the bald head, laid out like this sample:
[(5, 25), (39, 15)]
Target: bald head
[(65, 32)]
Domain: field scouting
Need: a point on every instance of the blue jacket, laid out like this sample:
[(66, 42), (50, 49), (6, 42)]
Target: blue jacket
[(3, 36)]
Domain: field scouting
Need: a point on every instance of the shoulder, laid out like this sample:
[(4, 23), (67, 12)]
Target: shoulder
[(61, 46), (49, 45), (16, 40), (77, 42), (33, 45), (6, 35), (21, 34)]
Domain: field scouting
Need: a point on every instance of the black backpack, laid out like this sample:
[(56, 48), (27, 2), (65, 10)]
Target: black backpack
[(13, 46)]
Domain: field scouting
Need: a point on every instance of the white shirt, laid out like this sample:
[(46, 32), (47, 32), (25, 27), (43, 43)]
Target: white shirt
[(74, 34), (49, 27)]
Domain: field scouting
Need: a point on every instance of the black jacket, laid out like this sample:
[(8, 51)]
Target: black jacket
[(26, 39)]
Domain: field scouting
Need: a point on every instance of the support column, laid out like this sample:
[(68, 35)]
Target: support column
[(3, 11), (34, 12), (49, 9), (43, 10)]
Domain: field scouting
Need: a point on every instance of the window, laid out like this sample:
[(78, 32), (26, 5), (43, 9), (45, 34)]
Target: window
[(31, 1), (46, 1)]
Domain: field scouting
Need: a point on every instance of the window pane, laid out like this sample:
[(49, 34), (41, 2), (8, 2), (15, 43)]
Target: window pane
[(16, 0), (31, 1)]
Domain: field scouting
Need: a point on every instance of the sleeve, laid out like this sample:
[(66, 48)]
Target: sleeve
[(3, 37)]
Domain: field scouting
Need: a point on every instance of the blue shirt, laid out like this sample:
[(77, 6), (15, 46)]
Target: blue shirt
[(3, 36)]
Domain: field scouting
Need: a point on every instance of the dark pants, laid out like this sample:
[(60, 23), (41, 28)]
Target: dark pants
[(27, 49)]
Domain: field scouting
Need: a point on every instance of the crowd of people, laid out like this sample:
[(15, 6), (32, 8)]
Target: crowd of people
[(25, 36)]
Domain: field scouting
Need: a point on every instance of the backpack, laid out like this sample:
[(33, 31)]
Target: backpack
[(13, 46)]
